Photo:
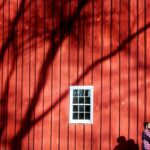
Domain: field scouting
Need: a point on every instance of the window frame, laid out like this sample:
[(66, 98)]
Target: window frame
[(81, 121)]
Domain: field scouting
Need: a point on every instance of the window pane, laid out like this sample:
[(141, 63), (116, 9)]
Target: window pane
[(81, 108), (75, 115), (75, 92), (87, 108), (81, 92), (87, 100), (75, 100), (75, 108), (87, 92), (81, 115), (87, 116), (81, 100)]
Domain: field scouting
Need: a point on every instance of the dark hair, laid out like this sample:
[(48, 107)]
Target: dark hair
[(146, 124)]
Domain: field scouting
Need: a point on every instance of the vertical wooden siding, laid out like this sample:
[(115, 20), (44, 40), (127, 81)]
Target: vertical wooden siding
[(46, 46)]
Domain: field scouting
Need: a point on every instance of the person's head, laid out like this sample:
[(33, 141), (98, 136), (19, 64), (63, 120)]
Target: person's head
[(147, 125), (121, 139)]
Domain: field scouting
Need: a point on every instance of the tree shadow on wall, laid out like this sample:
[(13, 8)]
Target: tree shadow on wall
[(56, 38), (124, 144)]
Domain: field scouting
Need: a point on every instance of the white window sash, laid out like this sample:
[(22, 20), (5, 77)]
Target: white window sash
[(82, 121)]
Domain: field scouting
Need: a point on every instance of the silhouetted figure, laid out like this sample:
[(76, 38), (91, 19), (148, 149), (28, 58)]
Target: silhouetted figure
[(146, 137), (131, 145), (126, 145), (121, 143)]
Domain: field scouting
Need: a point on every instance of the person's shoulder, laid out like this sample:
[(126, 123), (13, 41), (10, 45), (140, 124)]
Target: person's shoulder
[(144, 131), (147, 131), (146, 134)]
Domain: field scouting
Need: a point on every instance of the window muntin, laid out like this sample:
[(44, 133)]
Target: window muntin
[(81, 104)]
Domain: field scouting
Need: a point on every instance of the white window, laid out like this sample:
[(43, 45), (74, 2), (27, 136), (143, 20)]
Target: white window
[(81, 104)]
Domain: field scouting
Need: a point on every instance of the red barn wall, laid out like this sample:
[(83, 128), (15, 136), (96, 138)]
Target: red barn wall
[(46, 46)]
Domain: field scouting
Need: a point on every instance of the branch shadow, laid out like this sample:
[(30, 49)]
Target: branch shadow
[(4, 96), (88, 69), (9, 43), (56, 37), (13, 25), (56, 42)]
